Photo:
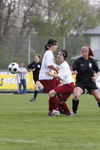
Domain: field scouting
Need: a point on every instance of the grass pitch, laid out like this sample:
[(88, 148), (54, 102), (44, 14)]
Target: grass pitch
[(25, 125)]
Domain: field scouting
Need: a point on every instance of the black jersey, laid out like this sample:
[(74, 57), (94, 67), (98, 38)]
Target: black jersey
[(37, 67), (85, 69)]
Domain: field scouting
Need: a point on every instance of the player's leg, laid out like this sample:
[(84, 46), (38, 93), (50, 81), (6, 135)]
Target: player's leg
[(24, 86), (75, 102), (37, 86), (20, 87), (63, 93), (53, 101), (96, 94), (64, 109), (35, 92)]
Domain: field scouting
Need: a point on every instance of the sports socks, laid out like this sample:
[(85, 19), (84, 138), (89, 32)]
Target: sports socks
[(53, 103), (35, 93), (75, 104), (64, 106), (99, 104)]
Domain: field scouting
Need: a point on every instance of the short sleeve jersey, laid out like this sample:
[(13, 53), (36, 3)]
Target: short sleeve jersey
[(85, 69), (64, 73), (37, 67), (22, 73), (48, 60)]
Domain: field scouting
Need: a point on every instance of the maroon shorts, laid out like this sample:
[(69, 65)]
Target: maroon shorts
[(65, 90), (50, 84)]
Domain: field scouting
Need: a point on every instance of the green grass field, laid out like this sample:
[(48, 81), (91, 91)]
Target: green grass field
[(25, 125)]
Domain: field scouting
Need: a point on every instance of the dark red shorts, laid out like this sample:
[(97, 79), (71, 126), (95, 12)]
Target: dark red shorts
[(65, 90), (50, 84)]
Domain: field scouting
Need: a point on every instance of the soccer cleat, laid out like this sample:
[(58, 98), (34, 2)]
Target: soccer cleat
[(33, 100), (55, 113), (74, 114), (49, 113), (62, 111), (70, 114)]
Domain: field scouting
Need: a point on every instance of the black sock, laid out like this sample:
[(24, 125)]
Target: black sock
[(99, 104), (75, 104), (35, 93)]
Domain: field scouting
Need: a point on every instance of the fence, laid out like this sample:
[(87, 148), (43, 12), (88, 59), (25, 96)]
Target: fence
[(20, 48)]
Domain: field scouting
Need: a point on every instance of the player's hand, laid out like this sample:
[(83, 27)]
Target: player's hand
[(60, 84), (33, 69), (49, 73), (57, 68), (93, 78), (74, 72)]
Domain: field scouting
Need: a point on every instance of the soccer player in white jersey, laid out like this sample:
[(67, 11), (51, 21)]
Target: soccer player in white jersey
[(98, 82), (48, 64), (64, 90)]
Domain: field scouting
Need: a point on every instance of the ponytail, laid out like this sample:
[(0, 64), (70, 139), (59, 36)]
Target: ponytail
[(91, 52), (46, 47)]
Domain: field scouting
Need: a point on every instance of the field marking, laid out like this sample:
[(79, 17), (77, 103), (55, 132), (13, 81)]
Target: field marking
[(26, 141), (46, 142)]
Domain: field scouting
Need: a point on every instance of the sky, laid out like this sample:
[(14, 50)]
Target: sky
[(94, 1)]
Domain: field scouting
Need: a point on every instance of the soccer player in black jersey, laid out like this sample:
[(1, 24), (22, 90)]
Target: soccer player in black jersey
[(35, 68), (87, 71)]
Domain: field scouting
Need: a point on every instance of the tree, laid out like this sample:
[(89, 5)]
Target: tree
[(75, 16), (7, 8), (47, 17)]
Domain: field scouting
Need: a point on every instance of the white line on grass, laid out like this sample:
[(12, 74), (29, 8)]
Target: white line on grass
[(46, 142), (26, 141)]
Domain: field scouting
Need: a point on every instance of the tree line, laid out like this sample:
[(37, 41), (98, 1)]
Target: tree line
[(47, 17)]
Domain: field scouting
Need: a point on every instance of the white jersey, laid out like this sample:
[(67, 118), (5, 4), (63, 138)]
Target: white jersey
[(64, 73), (48, 60), (21, 74), (98, 82)]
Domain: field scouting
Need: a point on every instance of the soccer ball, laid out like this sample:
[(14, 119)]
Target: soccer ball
[(13, 67)]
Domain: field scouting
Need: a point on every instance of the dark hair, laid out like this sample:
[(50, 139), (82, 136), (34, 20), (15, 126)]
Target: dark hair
[(64, 52), (51, 42)]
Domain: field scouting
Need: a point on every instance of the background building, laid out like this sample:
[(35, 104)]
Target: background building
[(94, 36)]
